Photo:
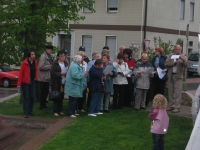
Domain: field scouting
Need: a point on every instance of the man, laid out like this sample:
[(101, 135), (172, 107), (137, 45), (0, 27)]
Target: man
[(95, 85), (45, 62), (176, 68), (82, 48)]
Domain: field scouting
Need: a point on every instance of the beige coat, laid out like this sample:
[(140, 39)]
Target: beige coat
[(181, 65), (44, 68)]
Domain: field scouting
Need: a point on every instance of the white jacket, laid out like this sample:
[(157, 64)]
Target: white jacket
[(121, 79)]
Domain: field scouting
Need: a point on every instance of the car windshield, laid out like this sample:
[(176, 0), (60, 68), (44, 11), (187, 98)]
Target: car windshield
[(6, 68), (194, 57)]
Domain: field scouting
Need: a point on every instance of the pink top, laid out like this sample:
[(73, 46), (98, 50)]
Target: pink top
[(160, 121)]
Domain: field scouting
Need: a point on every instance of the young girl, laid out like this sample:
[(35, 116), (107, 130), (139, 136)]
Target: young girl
[(160, 121)]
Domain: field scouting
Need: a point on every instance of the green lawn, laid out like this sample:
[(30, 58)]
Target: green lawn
[(125, 129)]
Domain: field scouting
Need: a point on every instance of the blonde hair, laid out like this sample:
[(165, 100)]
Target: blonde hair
[(81, 53), (159, 101)]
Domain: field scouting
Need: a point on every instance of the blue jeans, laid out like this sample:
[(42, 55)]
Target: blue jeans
[(158, 141), (95, 102), (28, 97), (72, 105)]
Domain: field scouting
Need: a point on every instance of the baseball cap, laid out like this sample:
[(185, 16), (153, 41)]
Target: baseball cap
[(64, 51), (82, 48)]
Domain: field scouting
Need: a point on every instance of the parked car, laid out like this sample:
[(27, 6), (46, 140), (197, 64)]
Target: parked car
[(193, 62), (8, 76)]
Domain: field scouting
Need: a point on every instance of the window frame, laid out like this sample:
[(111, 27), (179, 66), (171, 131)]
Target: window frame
[(90, 55), (114, 53), (182, 13), (112, 11), (192, 4)]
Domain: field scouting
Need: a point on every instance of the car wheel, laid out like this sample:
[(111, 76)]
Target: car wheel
[(190, 73), (6, 83)]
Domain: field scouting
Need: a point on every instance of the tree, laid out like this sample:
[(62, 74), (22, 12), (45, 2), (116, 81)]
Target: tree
[(25, 24)]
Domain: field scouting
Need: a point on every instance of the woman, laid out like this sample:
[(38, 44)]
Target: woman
[(81, 100), (58, 73), (127, 54), (75, 84), (27, 81), (158, 62), (120, 82), (108, 83)]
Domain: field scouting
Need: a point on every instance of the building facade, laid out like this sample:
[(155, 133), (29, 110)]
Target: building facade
[(129, 22)]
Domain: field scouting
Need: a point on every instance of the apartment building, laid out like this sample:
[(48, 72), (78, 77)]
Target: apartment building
[(129, 22)]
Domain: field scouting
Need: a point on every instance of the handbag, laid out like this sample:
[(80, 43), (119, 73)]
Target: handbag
[(54, 95)]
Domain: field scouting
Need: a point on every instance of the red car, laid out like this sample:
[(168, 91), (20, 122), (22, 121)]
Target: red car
[(8, 76)]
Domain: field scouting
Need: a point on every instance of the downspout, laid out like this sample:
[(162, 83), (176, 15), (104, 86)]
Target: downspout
[(145, 23)]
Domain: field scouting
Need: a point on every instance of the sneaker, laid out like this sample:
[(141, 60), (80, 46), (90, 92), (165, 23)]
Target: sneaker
[(92, 115), (99, 113), (176, 110), (72, 116), (61, 113), (170, 109), (55, 114), (76, 114), (81, 110), (106, 111)]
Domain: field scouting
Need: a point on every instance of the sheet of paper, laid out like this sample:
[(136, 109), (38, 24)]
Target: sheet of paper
[(175, 56), (108, 69), (160, 73)]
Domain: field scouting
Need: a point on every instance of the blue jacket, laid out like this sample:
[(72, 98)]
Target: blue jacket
[(109, 79), (95, 83), (75, 81), (161, 64)]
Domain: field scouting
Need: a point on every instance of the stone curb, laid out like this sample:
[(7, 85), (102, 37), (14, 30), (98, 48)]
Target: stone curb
[(8, 97), (45, 135)]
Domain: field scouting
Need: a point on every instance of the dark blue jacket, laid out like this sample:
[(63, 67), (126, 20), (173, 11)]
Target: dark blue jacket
[(95, 83), (161, 64)]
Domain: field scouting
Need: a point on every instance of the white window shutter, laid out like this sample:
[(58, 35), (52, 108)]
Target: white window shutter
[(112, 3), (87, 42), (111, 43), (191, 11), (182, 9)]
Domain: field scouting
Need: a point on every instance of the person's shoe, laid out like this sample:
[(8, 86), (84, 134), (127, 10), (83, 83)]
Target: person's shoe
[(99, 113), (61, 113), (76, 114), (143, 108), (25, 116), (106, 111), (31, 114), (72, 116), (92, 115), (55, 114), (176, 110), (170, 109), (81, 110)]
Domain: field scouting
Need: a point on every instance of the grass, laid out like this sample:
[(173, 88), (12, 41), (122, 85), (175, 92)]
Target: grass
[(12, 107), (125, 129)]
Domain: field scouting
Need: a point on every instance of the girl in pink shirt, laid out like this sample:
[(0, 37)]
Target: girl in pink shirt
[(160, 121)]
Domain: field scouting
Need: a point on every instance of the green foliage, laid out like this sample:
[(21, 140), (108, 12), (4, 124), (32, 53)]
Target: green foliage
[(27, 23), (179, 42), (158, 42)]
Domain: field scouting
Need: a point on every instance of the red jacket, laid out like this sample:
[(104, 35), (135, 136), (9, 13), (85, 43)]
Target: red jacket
[(24, 73)]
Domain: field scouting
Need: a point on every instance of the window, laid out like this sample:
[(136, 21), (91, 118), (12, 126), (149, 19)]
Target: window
[(111, 43), (182, 9), (112, 5), (191, 11), (190, 43), (87, 42), (86, 10)]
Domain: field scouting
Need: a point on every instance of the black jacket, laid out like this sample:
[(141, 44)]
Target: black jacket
[(56, 79)]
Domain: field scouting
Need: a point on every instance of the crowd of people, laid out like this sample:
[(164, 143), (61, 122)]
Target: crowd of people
[(131, 82), (94, 81)]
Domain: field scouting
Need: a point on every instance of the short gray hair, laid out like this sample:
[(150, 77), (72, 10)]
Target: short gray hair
[(77, 58), (94, 54)]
